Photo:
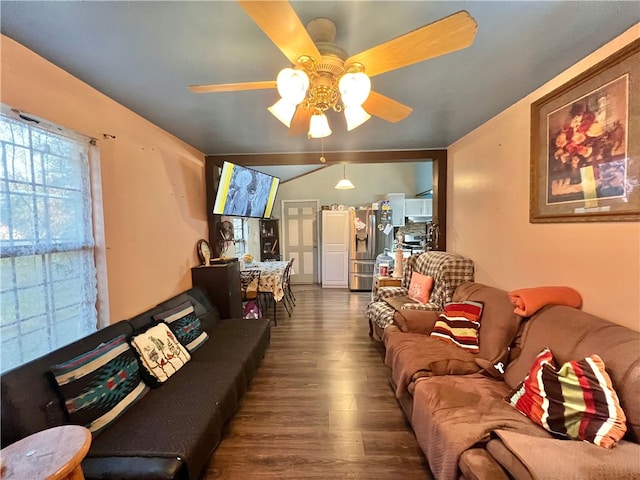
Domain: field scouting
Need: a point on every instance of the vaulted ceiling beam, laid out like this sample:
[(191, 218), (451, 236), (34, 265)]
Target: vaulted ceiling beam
[(312, 158)]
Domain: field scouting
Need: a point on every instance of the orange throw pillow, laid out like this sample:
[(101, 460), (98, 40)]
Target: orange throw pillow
[(420, 287)]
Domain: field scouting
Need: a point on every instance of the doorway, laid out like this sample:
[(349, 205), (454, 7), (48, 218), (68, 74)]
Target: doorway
[(300, 238)]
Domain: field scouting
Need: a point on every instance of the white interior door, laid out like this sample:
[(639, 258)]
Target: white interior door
[(300, 233), (335, 249)]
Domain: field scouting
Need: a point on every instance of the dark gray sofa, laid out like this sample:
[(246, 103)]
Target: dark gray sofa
[(171, 432)]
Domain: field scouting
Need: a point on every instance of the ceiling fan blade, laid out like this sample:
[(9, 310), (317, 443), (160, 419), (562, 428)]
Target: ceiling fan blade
[(447, 35), (300, 121), (281, 24), (386, 108), (232, 87)]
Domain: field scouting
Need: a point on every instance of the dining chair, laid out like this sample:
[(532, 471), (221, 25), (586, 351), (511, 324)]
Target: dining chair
[(267, 297), (265, 301), (284, 284), (288, 292), (249, 286)]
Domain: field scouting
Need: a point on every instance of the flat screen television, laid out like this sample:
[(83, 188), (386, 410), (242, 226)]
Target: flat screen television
[(243, 192)]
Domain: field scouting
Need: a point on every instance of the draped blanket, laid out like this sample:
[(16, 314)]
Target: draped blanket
[(552, 459), (452, 414), (415, 355), (529, 300)]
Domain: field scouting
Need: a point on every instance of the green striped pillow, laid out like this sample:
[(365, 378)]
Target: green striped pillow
[(576, 401), (185, 325), (100, 385)]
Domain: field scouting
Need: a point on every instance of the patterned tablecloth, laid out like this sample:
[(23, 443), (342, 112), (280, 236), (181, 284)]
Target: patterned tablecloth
[(270, 277)]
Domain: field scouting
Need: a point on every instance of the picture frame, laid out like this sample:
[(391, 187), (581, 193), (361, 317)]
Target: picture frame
[(585, 145)]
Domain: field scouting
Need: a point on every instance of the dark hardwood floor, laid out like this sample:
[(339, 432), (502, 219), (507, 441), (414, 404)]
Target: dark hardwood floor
[(320, 406)]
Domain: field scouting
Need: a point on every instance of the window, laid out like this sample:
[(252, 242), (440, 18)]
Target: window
[(48, 286), (239, 236)]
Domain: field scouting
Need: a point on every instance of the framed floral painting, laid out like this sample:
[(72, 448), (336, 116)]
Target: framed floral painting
[(585, 145)]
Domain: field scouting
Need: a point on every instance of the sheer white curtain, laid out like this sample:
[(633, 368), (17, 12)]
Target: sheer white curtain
[(240, 236), (48, 285)]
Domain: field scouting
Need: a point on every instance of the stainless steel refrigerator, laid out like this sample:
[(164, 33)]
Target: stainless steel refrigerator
[(370, 232)]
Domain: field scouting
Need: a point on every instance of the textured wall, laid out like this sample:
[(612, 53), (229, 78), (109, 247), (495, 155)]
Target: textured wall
[(372, 182), (488, 212), (153, 184)]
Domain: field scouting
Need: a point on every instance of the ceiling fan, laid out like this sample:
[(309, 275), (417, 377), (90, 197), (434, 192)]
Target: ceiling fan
[(324, 77)]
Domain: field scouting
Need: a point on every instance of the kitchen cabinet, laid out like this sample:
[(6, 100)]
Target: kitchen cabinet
[(424, 177), (396, 202), (335, 248), (418, 207)]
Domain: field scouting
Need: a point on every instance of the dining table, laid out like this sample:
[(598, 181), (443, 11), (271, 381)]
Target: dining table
[(271, 274)]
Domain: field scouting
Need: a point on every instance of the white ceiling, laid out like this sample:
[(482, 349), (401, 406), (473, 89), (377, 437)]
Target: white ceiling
[(144, 54)]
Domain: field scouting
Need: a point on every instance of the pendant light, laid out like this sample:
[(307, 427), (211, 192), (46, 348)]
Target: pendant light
[(344, 184)]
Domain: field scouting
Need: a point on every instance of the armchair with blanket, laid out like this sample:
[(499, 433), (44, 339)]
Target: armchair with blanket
[(448, 271)]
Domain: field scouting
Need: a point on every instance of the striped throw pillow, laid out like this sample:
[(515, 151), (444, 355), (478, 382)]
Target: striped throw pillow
[(459, 324), (185, 325), (100, 385), (576, 401)]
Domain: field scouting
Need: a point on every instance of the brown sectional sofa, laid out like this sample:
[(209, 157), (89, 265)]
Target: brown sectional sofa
[(455, 399)]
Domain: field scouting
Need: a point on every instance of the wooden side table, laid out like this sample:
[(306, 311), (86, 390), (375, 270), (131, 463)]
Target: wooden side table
[(378, 282), (53, 454)]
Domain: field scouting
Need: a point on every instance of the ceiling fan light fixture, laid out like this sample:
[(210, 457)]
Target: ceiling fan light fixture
[(325, 77), (292, 85), (344, 184), (283, 111), (319, 126), (354, 88), (355, 116)]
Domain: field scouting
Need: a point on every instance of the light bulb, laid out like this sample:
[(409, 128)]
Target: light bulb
[(354, 88), (292, 85), (319, 126), (283, 111), (355, 116)]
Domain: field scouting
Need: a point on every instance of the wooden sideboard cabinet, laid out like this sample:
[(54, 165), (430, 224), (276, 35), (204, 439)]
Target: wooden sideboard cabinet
[(222, 283)]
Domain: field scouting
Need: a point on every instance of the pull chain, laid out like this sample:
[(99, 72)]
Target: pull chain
[(322, 159)]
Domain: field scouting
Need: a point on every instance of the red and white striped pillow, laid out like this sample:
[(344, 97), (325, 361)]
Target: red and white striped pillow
[(459, 324), (577, 400)]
